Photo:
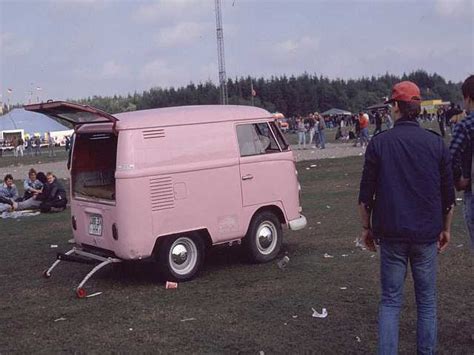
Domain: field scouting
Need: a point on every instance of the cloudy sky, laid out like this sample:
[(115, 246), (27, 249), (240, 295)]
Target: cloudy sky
[(75, 49)]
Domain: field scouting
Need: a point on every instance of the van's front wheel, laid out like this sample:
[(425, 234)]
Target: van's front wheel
[(181, 257), (264, 237)]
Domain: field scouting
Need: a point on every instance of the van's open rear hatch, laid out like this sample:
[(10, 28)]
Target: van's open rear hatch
[(93, 166), (70, 114)]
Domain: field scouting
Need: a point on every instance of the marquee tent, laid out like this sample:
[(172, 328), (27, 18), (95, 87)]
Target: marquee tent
[(336, 112), (29, 122)]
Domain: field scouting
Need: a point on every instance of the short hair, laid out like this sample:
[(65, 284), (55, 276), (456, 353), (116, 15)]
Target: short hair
[(32, 171), (41, 177), (468, 88), (49, 173), (8, 177), (409, 109)]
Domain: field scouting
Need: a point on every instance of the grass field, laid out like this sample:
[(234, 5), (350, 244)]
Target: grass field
[(8, 159), (233, 306)]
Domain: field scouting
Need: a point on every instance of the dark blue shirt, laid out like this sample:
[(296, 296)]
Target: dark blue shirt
[(407, 183)]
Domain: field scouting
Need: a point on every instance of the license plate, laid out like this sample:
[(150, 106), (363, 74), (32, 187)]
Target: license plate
[(95, 225)]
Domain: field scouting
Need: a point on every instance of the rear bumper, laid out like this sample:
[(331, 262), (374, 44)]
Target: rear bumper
[(297, 224)]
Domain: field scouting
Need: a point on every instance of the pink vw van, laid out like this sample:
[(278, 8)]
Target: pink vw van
[(165, 184)]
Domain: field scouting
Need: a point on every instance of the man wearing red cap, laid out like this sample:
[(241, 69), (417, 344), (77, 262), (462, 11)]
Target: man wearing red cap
[(405, 201)]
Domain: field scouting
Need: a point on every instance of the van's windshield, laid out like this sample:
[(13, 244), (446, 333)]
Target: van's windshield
[(93, 166)]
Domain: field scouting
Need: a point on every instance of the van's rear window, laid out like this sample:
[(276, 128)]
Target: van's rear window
[(93, 166)]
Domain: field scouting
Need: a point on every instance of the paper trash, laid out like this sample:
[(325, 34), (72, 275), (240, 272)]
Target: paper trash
[(53, 246), (326, 255), (283, 262), (94, 294), (323, 314), (170, 284)]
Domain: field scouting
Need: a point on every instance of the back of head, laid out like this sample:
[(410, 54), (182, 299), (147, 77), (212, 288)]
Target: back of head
[(468, 88)]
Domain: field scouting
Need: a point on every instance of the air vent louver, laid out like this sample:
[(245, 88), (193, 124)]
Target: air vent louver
[(161, 193), (153, 133)]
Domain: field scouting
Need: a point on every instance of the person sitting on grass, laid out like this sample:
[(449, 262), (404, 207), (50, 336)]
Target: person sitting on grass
[(53, 198), (31, 185), (8, 194)]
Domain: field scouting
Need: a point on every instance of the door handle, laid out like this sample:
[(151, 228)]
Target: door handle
[(247, 177)]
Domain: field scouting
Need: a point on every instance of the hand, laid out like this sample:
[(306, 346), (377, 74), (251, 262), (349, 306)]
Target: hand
[(443, 241), (367, 238), (462, 184)]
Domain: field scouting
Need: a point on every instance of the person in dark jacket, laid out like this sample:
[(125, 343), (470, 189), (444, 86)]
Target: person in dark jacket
[(53, 196), (405, 201)]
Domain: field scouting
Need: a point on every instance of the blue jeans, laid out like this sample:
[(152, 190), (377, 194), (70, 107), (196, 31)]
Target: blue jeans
[(301, 139), (393, 269), (469, 215), (322, 139)]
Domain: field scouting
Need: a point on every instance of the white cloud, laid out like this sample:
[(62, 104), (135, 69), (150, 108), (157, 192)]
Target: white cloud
[(157, 73), (113, 70), (299, 46), (182, 33), (455, 8), (12, 45), (170, 10)]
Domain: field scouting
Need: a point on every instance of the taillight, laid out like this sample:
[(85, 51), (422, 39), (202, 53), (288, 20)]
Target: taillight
[(114, 231), (74, 223)]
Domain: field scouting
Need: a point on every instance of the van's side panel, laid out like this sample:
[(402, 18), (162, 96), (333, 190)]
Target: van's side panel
[(187, 178)]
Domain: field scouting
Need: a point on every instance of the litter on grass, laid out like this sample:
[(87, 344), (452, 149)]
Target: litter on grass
[(187, 319), (170, 285), (19, 214), (459, 199), (283, 263), (344, 255), (318, 222), (343, 288), (307, 168), (358, 339), (323, 314), (294, 317), (326, 255), (313, 166), (53, 246), (359, 244), (94, 294), (459, 246), (60, 319)]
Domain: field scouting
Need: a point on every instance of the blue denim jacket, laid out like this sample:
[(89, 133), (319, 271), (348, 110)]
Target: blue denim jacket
[(10, 193), (28, 184), (407, 182)]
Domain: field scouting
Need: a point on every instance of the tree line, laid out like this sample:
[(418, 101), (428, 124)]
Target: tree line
[(293, 95)]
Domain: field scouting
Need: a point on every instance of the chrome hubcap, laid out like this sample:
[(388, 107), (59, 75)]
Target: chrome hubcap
[(180, 254), (266, 237), (183, 256)]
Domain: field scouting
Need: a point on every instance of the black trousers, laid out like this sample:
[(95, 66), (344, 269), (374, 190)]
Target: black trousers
[(56, 203)]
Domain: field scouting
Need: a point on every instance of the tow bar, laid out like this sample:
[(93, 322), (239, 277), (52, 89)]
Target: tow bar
[(81, 256)]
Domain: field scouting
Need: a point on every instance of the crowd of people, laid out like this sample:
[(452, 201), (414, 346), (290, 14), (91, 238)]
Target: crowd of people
[(42, 192), (32, 145)]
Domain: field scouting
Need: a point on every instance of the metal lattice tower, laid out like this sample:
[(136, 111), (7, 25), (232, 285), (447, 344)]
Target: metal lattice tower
[(220, 53)]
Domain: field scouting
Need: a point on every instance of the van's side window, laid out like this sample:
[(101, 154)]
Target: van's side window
[(279, 136), (256, 139)]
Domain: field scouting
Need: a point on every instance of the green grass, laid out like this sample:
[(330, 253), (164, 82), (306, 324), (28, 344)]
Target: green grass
[(238, 307), (9, 160)]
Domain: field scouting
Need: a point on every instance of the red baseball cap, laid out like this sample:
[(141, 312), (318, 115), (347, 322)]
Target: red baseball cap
[(405, 91)]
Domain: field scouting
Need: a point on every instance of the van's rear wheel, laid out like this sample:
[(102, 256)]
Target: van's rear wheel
[(181, 257), (264, 237)]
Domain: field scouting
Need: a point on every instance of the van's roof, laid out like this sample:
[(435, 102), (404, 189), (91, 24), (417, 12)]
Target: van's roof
[(183, 115)]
